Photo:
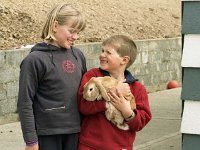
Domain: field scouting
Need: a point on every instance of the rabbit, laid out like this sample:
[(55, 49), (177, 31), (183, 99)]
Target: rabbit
[(96, 89)]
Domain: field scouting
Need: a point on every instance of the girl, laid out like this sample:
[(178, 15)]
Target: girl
[(49, 79)]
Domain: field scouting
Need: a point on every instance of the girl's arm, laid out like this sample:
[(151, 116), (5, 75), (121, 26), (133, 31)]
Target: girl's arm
[(28, 84), (33, 147)]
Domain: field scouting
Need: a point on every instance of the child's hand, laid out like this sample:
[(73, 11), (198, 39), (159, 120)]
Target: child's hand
[(33, 147), (120, 103)]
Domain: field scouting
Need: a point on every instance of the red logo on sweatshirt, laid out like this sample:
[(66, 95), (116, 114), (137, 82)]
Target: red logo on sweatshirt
[(68, 66)]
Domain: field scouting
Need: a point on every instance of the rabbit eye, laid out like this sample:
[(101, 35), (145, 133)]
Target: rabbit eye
[(91, 89)]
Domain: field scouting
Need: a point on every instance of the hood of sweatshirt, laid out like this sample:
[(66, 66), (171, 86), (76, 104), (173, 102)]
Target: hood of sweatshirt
[(51, 48), (46, 47)]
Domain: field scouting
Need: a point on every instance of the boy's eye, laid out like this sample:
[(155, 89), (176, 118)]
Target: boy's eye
[(106, 51)]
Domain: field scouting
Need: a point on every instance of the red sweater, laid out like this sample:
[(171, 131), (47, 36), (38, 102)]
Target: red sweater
[(99, 133)]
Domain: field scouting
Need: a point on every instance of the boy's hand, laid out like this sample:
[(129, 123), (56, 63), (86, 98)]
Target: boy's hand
[(120, 103), (33, 147), (123, 88)]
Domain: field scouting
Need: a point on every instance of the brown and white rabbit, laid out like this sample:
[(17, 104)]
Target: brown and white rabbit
[(96, 89)]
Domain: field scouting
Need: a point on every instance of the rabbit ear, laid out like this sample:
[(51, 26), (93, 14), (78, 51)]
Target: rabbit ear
[(89, 82), (102, 89)]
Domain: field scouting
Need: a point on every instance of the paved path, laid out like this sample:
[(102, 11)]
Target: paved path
[(162, 133)]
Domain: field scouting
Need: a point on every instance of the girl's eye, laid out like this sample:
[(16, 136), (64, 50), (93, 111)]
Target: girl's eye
[(72, 31)]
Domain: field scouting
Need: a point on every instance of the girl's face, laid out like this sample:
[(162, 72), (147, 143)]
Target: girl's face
[(110, 60), (64, 35)]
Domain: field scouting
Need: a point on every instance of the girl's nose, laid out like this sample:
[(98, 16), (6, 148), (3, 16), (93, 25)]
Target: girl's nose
[(75, 36)]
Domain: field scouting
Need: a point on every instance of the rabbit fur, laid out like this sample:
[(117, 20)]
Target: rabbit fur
[(96, 89)]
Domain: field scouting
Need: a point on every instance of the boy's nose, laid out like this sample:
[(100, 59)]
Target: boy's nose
[(102, 54)]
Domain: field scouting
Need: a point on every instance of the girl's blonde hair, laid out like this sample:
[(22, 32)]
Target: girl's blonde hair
[(62, 13), (124, 47)]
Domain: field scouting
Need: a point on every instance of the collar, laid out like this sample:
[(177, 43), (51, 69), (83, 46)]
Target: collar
[(129, 77)]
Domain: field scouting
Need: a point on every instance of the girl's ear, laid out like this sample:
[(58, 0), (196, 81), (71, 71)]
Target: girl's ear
[(55, 26)]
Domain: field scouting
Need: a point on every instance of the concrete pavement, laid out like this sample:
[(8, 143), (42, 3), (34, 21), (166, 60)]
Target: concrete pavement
[(162, 133)]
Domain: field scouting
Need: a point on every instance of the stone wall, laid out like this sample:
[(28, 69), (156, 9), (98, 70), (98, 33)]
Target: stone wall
[(158, 61)]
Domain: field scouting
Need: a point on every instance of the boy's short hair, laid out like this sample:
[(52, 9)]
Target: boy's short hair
[(63, 13), (124, 46)]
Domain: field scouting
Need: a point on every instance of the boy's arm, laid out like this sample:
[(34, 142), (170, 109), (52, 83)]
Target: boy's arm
[(89, 107), (142, 113)]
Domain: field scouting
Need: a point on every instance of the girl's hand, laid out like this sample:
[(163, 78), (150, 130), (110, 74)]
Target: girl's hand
[(120, 103), (33, 147)]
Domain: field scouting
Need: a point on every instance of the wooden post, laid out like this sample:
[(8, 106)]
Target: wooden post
[(190, 94)]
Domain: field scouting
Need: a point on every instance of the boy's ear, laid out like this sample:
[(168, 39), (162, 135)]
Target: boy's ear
[(125, 59)]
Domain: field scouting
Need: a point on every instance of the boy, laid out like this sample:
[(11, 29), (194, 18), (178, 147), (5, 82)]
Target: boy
[(97, 133)]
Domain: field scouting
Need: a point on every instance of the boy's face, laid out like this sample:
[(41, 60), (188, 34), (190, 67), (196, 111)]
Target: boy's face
[(110, 60)]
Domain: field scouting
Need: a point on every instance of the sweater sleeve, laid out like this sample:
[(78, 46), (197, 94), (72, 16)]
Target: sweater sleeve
[(28, 84), (89, 107), (142, 112)]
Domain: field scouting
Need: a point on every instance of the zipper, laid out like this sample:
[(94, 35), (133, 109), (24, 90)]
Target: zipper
[(49, 109)]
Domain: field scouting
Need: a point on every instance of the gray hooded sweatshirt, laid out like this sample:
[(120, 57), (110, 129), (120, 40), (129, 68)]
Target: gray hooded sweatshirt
[(48, 85)]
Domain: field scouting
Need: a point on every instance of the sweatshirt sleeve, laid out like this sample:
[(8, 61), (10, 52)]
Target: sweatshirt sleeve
[(28, 84), (89, 107), (142, 112)]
